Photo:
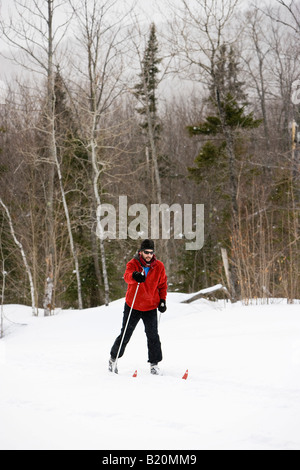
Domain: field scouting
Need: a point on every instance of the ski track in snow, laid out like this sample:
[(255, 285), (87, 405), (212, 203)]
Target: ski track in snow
[(242, 392)]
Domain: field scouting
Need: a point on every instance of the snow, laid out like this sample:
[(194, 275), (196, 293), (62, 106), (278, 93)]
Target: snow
[(242, 392)]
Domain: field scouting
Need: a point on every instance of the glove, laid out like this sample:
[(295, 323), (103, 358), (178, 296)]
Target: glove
[(139, 277), (162, 306)]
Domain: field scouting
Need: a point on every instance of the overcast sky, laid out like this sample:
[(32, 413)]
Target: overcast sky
[(151, 8), (147, 11)]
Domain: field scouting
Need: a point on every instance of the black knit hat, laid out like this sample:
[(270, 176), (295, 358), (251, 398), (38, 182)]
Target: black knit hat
[(147, 245)]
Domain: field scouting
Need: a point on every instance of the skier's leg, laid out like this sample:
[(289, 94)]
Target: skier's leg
[(134, 319), (151, 330)]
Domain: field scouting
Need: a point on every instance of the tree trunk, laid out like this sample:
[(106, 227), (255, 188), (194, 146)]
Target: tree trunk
[(97, 199), (72, 244), (20, 246), (50, 118), (233, 190)]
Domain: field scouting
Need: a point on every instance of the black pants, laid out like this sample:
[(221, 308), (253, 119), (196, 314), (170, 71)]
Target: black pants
[(150, 322)]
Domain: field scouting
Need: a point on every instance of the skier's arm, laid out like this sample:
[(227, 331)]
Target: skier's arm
[(130, 269)]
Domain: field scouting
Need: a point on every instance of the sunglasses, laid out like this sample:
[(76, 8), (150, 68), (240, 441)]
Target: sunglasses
[(148, 252)]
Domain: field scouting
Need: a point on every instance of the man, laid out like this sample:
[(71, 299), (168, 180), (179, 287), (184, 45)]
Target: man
[(149, 273)]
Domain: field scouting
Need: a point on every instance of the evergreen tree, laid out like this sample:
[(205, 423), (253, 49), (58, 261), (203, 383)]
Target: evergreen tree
[(146, 89), (146, 93), (219, 159), (228, 100)]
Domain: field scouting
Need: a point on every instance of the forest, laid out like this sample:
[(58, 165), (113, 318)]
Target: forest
[(199, 107)]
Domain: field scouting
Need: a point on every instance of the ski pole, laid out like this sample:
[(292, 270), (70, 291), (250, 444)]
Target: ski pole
[(116, 361)]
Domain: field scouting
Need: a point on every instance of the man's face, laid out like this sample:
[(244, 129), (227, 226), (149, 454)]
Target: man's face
[(147, 255)]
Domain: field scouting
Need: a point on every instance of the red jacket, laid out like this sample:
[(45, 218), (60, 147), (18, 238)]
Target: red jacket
[(151, 291)]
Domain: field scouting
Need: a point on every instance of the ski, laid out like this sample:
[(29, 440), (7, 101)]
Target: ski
[(184, 377), (113, 369), (135, 374)]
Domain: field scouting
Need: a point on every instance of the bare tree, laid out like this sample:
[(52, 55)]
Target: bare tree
[(287, 14), (24, 257), (37, 40), (256, 49), (102, 42), (4, 274), (206, 32), (284, 54), (69, 226)]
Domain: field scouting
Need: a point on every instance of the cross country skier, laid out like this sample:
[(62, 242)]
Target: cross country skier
[(146, 292)]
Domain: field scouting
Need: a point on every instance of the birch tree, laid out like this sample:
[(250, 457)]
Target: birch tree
[(37, 36), (23, 254), (102, 37)]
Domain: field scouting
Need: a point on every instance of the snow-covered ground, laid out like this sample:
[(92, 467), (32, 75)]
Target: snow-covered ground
[(243, 389)]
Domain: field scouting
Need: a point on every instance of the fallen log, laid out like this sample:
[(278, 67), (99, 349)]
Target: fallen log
[(205, 292)]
